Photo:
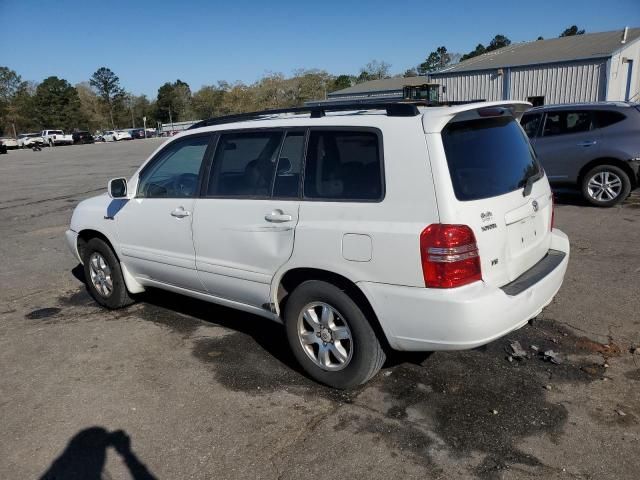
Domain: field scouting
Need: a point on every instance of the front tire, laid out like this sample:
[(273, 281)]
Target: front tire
[(330, 336), (103, 275), (606, 186)]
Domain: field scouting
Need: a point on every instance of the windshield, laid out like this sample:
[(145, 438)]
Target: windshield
[(488, 157)]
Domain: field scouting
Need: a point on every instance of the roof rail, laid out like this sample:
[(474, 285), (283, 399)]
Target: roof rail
[(394, 109)]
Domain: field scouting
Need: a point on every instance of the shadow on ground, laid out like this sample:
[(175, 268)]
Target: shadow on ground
[(471, 401), (85, 455)]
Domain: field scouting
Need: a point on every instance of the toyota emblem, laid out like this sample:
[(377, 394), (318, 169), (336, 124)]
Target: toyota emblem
[(534, 204)]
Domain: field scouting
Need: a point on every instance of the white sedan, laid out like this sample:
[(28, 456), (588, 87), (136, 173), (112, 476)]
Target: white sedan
[(115, 135)]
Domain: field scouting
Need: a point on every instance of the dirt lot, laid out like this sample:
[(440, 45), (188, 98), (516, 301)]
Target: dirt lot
[(206, 392)]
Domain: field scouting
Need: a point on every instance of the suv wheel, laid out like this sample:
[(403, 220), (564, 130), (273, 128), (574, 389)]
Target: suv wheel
[(103, 275), (606, 186), (330, 336)]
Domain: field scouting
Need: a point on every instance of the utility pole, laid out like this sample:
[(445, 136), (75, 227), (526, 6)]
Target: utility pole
[(15, 135), (170, 119)]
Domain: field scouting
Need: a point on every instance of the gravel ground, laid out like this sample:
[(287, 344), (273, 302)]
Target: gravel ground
[(176, 388)]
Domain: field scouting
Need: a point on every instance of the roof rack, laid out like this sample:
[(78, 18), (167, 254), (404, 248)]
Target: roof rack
[(394, 109)]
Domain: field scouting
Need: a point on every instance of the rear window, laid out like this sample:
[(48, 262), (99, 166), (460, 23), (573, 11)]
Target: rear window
[(488, 157)]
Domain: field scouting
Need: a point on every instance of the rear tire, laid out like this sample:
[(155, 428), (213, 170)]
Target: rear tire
[(103, 275), (330, 336), (606, 186)]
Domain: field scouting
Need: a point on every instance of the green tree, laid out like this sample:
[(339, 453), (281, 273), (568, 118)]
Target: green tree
[(107, 85), (174, 102), (341, 82), (497, 42), (57, 105), (21, 111), (207, 102), (571, 31), (410, 72), (435, 61), (479, 50), (92, 108), (10, 83)]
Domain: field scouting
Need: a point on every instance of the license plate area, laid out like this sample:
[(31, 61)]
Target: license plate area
[(524, 234)]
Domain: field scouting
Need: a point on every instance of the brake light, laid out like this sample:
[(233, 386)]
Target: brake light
[(450, 256)]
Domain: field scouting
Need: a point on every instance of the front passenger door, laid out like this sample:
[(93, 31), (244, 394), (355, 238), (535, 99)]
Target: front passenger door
[(154, 228)]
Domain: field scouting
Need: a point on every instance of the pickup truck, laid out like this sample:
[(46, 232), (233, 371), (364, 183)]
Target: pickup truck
[(56, 137)]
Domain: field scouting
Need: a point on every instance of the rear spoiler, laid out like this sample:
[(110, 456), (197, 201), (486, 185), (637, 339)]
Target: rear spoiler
[(436, 118)]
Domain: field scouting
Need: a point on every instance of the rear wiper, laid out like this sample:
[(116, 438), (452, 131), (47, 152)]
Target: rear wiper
[(528, 182)]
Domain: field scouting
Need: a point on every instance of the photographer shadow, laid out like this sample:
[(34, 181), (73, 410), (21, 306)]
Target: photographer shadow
[(85, 456)]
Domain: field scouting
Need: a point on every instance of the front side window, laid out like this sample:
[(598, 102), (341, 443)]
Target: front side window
[(174, 172), (343, 165), (530, 123), (244, 164), (561, 123)]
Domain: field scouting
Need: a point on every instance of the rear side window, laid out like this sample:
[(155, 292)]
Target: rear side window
[(488, 157), (561, 123), (604, 118), (343, 165), (244, 164)]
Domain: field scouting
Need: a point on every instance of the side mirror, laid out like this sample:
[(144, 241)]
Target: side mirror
[(117, 188)]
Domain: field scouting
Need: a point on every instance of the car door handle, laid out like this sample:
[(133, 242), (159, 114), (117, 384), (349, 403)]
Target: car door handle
[(278, 216), (180, 212), (588, 143)]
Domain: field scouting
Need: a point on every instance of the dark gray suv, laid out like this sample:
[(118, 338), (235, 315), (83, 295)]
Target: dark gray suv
[(593, 145)]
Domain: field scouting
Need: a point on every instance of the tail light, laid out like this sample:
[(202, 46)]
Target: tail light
[(449, 255)]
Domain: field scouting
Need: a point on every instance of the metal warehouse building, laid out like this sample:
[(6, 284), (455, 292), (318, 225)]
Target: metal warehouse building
[(582, 68)]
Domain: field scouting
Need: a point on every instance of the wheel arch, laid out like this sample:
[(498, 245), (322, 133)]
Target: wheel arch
[(296, 276), (87, 234), (624, 166), (133, 286)]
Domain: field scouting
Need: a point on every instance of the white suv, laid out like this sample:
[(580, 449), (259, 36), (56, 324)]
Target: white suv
[(361, 228)]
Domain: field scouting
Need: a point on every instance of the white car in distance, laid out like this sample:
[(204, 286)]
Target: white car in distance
[(115, 135), (56, 137), (27, 140), (361, 228), (9, 142)]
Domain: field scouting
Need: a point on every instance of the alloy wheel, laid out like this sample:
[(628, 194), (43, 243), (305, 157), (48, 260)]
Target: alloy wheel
[(604, 186), (325, 336), (100, 274)]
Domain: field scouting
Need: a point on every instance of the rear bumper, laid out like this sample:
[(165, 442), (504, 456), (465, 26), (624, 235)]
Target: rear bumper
[(423, 319)]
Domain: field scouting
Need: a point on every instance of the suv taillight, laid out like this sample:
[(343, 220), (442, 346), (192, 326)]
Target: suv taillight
[(450, 256)]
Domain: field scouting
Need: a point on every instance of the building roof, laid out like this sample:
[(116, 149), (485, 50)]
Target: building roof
[(578, 47), (383, 85)]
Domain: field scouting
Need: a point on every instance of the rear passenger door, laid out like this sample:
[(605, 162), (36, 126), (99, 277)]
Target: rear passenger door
[(243, 225), (568, 141)]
